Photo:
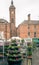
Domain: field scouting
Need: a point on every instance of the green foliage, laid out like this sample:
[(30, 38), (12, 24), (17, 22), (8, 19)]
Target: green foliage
[(29, 53), (34, 46), (22, 40), (29, 50), (13, 41), (13, 52), (5, 49)]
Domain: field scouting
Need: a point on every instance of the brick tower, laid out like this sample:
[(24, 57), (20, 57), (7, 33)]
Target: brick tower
[(12, 20)]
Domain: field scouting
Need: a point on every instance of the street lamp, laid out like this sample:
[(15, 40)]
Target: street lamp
[(2, 43)]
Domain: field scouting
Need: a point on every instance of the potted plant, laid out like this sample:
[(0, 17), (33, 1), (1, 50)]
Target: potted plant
[(14, 55), (6, 45), (29, 51)]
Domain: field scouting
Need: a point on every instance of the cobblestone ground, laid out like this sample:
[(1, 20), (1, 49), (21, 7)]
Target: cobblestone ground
[(35, 57), (4, 62)]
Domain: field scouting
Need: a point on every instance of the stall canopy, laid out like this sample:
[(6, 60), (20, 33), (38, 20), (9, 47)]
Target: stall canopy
[(36, 40)]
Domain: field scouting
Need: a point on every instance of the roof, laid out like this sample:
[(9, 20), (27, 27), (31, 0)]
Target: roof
[(30, 22), (12, 7), (3, 21)]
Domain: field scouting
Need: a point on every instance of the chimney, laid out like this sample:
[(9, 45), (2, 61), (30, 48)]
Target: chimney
[(29, 17)]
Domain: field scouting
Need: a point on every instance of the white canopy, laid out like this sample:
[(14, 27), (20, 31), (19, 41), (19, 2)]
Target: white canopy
[(16, 38)]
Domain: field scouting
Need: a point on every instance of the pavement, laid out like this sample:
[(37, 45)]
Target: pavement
[(35, 57), (4, 61), (24, 62)]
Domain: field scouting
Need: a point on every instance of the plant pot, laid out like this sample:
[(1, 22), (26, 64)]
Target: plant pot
[(29, 56), (14, 62)]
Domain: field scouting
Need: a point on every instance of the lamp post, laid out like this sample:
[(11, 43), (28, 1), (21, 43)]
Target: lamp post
[(2, 43), (2, 38), (3, 50)]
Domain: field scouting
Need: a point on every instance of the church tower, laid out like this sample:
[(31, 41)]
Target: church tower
[(12, 20)]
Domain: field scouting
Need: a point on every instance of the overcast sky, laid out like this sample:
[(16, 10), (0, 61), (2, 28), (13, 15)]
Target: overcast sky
[(23, 8)]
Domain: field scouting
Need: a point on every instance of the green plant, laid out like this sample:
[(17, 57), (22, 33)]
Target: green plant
[(22, 40), (5, 49), (29, 50), (34, 46), (14, 54), (29, 53), (13, 41)]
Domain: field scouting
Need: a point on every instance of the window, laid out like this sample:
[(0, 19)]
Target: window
[(34, 34), (28, 33), (28, 27), (34, 26)]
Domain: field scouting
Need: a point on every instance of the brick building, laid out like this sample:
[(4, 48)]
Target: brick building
[(8, 28), (28, 28)]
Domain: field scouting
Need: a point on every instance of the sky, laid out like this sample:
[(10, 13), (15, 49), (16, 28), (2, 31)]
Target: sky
[(23, 8)]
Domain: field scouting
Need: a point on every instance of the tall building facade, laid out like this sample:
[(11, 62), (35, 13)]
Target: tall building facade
[(12, 20), (8, 28), (28, 28)]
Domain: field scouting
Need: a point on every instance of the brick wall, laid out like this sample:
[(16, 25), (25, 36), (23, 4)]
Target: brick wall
[(23, 30)]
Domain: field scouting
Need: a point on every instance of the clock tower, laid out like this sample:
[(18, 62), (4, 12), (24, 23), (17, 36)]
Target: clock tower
[(12, 20), (12, 13)]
